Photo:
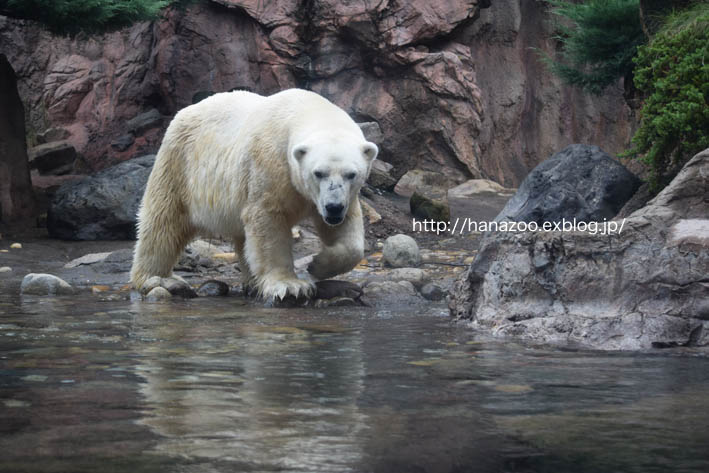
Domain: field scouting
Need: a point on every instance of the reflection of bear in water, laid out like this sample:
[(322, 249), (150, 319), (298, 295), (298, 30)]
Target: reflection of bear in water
[(251, 167)]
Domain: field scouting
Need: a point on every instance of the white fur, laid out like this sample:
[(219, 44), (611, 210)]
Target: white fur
[(241, 165)]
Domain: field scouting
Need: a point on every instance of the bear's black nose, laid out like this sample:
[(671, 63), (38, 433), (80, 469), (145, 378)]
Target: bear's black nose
[(334, 209)]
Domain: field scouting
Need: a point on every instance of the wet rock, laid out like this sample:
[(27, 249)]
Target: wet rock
[(158, 294), (380, 175), (644, 287), (178, 287), (56, 158), (16, 246), (580, 182), (383, 293), (40, 284), (119, 261), (415, 276), (430, 206), (123, 142), (103, 206), (213, 288), (479, 199), (432, 292), (5, 269), (401, 251), (17, 199), (145, 121), (331, 288)]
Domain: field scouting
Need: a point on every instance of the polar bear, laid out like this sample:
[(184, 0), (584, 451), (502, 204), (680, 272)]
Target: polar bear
[(248, 167)]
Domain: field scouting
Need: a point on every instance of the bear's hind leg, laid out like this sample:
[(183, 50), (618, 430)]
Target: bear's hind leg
[(162, 235)]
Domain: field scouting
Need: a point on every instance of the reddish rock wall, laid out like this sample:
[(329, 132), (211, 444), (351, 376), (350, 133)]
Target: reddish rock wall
[(452, 85)]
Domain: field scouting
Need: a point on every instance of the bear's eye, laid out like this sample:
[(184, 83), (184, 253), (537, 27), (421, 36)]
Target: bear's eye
[(350, 176), (318, 174)]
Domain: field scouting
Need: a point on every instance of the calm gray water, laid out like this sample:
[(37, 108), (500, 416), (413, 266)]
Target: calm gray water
[(213, 385)]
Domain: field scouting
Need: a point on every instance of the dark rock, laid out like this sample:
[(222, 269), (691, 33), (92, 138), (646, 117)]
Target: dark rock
[(429, 207), (213, 288), (432, 292), (178, 287), (645, 286), (580, 182), (641, 197), (56, 158), (145, 121), (331, 288), (123, 142), (103, 206), (380, 177), (16, 197)]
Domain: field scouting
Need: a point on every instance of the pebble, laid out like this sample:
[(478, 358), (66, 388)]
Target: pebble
[(16, 246), (213, 288), (5, 269), (158, 294)]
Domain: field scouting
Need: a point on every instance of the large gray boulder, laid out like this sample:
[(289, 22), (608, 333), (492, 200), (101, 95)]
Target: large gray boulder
[(644, 287), (103, 206), (579, 182)]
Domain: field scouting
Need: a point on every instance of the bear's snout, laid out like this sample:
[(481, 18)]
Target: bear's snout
[(334, 213)]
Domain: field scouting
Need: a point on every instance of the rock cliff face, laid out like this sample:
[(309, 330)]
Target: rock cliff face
[(453, 85), (644, 287)]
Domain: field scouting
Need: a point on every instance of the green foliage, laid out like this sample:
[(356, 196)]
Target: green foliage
[(599, 43), (72, 16), (672, 73)]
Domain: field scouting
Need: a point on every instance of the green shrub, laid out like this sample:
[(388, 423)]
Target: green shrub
[(672, 73), (72, 16), (599, 44)]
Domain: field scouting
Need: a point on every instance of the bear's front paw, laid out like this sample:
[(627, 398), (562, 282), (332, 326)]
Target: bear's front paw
[(273, 287)]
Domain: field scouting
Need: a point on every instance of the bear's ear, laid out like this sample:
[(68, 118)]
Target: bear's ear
[(370, 150), (300, 151)]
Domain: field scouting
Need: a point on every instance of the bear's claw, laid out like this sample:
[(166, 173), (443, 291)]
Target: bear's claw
[(278, 289)]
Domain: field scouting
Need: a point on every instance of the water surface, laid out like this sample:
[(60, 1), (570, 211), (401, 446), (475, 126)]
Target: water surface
[(216, 385)]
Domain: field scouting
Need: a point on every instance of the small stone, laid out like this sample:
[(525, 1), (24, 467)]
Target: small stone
[(158, 294), (5, 269), (330, 289), (432, 292), (16, 246), (401, 251), (415, 276), (152, 283), (178, 287), (213, 288), (39, 284)]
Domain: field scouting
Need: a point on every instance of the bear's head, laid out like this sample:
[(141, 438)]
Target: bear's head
[(331, 168)]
